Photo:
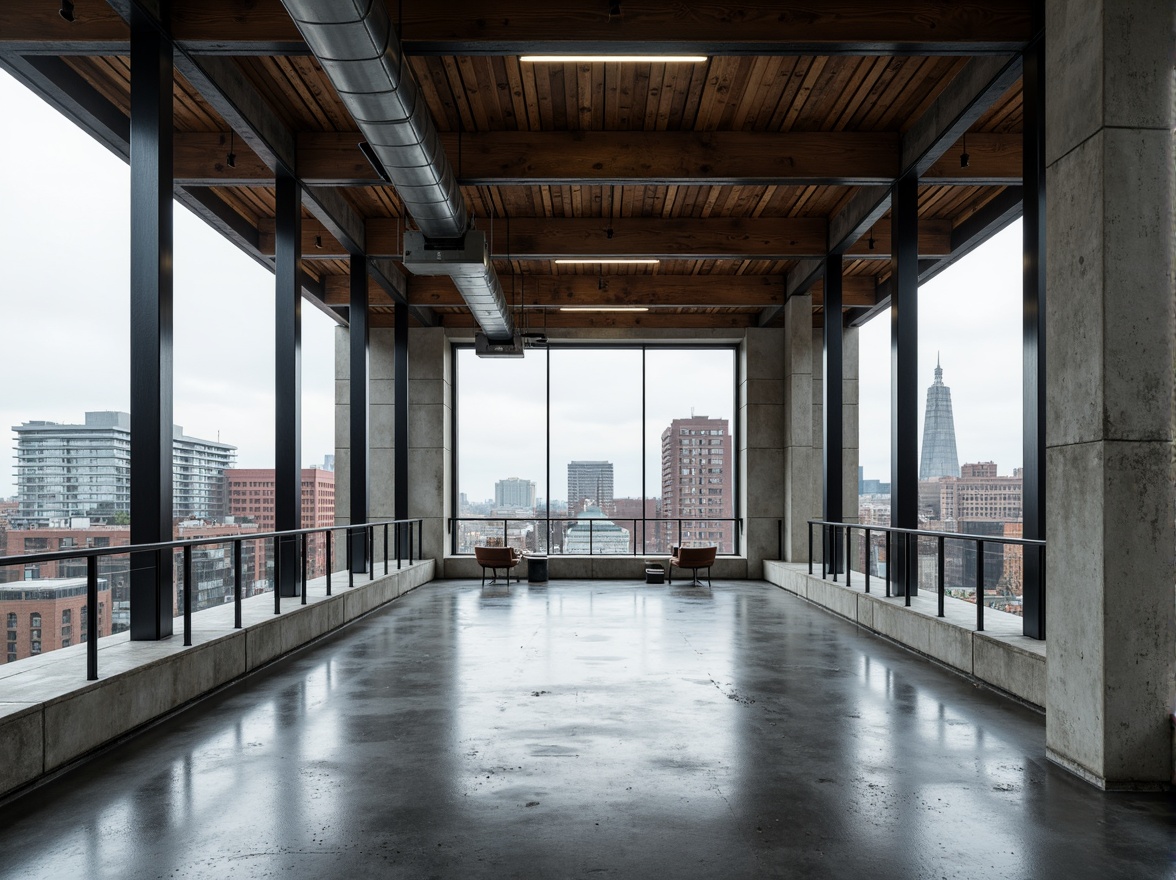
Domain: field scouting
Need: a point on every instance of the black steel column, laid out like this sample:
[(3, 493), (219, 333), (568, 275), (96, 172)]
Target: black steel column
[(400, 452), (1033, 395), (358, 383), (832, 385), (288, 376), (151, 326), (904, 372)]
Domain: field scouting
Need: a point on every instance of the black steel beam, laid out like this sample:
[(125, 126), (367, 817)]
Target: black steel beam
[(1033, 392), (358, 399), (832, 422), (904, 366), (64, 88), (387, 274), (151, 327), (965, 238), (400, 440), (982, 81), (288, 377)]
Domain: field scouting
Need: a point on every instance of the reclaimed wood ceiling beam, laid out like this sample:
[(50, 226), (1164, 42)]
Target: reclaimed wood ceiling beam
[(546, 238), (593, 158), (514, 27)]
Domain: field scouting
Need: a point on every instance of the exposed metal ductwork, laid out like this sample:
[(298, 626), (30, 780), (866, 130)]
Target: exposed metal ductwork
[(358, 48)]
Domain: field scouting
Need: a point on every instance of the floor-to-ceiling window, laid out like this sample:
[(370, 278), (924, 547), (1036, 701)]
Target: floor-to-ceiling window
[(596, 449)]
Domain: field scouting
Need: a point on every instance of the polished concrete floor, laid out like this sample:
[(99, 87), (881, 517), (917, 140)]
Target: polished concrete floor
[(590, 729)]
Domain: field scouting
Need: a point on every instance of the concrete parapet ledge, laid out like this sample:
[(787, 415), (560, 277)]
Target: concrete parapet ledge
[(1000, 656), (51, 716)]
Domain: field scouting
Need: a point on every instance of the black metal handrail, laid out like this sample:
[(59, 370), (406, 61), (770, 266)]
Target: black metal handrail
[(645, 522), (842, 534), (402, 528)]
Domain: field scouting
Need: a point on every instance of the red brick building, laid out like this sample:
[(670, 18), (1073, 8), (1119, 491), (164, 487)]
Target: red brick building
[(251, 495), (698, 481), (45, 614)]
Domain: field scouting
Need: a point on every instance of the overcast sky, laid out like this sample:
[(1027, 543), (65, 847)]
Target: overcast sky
[(65, 302), (64, 240)]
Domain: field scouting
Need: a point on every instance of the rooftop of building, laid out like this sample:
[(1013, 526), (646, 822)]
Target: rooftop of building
[(46, 588)]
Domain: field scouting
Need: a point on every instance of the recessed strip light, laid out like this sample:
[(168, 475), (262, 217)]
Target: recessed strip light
[(594, 261), (603, 309), (612, 59)]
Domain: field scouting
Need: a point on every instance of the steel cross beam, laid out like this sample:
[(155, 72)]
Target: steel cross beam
[(221, 82), (513, 27)]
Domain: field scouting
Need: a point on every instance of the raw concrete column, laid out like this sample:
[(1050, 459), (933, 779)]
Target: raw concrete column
[(381, 410), (849, 435), (430, 442), (849, 425), (1109, 412), (761, 445), (800, 502), (381, 427)]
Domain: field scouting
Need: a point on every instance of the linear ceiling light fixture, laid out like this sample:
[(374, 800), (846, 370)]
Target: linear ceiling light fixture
[(603, 308), (613, 59), (593, 261)]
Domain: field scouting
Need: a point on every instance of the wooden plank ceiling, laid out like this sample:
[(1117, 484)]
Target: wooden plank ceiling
[(729, 170)]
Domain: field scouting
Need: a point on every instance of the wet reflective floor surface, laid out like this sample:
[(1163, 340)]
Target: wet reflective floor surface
[(590, 729)]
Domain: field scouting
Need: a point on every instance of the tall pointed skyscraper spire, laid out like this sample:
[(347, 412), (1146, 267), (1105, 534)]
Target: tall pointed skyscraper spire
[(939, 457)]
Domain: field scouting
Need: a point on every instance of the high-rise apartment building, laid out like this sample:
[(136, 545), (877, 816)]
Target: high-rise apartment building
[(198, 475), (65, 471), (939, 457), (698, 480), (590, 481), (514, 492)]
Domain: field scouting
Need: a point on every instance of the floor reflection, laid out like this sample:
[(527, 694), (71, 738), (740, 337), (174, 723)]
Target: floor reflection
[(590, 727)]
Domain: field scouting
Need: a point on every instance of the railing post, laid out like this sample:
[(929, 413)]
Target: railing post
[(831, 548), (420, 549), (939, 541), (867, 560), (237, 584), (980, 586), (889, 547), (399, 544), (329, 533), (370, 538), (848, 548), (908, 567), (505, 533), (92, 618), (277, 574), (350, 558), (810, 543), (304, 566), (187, 595), (385, 548)]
